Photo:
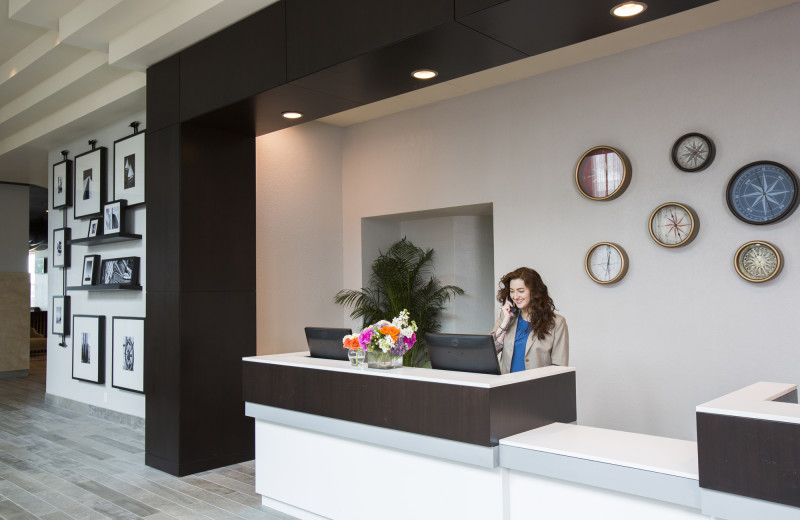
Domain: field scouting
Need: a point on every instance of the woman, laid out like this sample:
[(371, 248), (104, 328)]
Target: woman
[(528, 334)]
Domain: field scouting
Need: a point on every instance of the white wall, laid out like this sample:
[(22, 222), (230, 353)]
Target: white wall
[(298, 234), (682, 327), (108, 304)]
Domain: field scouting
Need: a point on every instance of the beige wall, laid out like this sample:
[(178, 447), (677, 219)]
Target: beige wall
[(15, 322), (682, 327)]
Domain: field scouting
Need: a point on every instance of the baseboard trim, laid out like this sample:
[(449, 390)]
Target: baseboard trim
[(13, 374), (113, 416)]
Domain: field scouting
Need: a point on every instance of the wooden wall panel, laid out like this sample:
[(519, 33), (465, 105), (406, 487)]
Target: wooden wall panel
[(163, 94)]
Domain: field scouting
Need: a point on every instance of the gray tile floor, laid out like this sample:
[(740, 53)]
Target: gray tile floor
[(57, 464)]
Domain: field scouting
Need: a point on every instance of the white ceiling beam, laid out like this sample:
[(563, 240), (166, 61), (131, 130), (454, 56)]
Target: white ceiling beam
[(29, 55), (124, 86), (83, 15), (50, 87), (41, 13)]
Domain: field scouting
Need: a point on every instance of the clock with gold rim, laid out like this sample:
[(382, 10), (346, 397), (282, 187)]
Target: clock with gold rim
[(757, 261)]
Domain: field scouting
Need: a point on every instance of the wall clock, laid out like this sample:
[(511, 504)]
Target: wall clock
[(603, 173), (757, 261), (693, 152), (673, 224), (762, 192), (606, 263)]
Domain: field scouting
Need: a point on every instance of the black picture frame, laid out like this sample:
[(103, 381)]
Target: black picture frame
[(91, 266), (129, 173), (62, 184), (114, 217), (40, 265), (61, 317), (89, 191), (61, 248), (120, 271), (94, 228), (88, 348), (127, 353)]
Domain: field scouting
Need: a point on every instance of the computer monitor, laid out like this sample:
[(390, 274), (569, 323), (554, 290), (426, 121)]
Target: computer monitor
[(327, 343), (463, 352)]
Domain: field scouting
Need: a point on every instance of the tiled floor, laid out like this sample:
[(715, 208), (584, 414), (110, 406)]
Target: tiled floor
[(57, 464)]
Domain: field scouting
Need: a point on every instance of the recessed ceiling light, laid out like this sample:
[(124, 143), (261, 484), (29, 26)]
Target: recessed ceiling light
[(424, 74), (628, 9), (292, 115)]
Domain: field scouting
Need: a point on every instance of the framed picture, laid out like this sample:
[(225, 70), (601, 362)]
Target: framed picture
[(114, 217), (90, 183), (127, 353), (122, 271), (88, 348), (94, 224), (129, 169), (62, 184), (91, 264), (61, 247), (40, 265), (60, 315)]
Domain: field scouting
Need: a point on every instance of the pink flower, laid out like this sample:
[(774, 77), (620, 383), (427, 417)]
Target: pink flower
[(365, 337)]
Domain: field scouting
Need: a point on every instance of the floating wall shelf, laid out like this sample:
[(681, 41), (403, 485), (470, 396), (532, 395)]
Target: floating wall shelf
[(106, 287), (105, 239)]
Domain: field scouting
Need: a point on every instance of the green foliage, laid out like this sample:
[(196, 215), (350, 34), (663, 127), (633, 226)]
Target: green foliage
[(402, 278)]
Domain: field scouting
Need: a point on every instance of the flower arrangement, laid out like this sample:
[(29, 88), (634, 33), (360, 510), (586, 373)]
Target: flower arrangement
[(394, 338)]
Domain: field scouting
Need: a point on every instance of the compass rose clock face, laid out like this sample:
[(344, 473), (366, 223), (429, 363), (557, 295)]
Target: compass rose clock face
[(762, 192), (673, 225), (757, 261), (606, 263), (693, 152)]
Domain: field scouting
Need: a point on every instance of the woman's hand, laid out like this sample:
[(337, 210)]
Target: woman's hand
[(508, 313)]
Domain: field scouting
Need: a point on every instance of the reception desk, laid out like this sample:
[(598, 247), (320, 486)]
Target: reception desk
[(342, 443)]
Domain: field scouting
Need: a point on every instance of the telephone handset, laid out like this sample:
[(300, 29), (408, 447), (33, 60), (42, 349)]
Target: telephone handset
[(514, 308)]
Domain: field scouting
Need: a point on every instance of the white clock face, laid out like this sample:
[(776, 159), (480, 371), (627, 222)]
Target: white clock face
[(605, 263), (672, 225), (692, 152)]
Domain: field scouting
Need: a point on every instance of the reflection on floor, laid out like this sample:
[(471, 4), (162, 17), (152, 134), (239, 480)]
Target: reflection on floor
[(56, 464)]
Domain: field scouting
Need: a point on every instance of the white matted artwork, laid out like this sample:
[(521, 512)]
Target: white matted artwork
[(127, 361), (61, 250), (129, 169), (114, 217), (60, 315), (88, 348), (62, 184), (90, 183)]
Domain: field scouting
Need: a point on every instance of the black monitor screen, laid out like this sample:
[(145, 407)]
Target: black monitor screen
[(463, 352), (327, 342)]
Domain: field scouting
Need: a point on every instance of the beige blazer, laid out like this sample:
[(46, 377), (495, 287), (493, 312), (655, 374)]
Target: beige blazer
[(552, 350)]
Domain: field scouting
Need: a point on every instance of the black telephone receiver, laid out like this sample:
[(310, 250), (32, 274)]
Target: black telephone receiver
[(514, 308)]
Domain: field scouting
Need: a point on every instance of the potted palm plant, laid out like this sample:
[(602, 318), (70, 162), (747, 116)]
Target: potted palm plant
[(402, 278)]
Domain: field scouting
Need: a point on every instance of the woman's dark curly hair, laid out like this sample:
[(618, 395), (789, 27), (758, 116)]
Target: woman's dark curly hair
[(540, 308)]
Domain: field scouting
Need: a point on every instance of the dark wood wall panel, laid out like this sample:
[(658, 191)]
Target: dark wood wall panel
[(162, 378), (321, 34), (163, 217), (749, 457), (218, 210), (465, 7), (236, 63), (163, 94)]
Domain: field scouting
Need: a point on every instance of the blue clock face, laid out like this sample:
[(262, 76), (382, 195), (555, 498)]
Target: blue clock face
[(762, 193)]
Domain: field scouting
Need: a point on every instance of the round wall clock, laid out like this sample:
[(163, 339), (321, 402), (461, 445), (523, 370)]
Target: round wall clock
[(673, 225), (762, 192), (693, 152), (603, 173), (757, 261), (606, 263)]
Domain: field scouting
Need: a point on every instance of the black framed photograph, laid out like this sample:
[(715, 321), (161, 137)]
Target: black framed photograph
[(61, 248), (62, 184), (94, 224), (127, 353), (60, 315), (88, 348), (90, 183), (120, 271), (114, 217), (129, 168), (91, 265)]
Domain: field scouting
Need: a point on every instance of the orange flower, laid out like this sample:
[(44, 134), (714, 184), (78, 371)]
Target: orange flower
[(388, 330), (352, 343)]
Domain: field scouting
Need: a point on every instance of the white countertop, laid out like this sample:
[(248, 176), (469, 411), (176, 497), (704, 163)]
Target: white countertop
[(647, 452), (302, 359), (756, 402)]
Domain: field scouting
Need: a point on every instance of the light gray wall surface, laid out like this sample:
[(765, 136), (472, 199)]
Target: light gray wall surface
[(108, 304), (14, 228), (682, 327)]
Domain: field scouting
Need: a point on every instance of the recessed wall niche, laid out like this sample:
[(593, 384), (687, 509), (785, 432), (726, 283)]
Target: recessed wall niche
[(463, 239)]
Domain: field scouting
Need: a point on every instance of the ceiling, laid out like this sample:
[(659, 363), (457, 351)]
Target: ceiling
[(68, 67)]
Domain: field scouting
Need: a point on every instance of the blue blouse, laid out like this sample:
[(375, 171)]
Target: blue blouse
[(520, 341)]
